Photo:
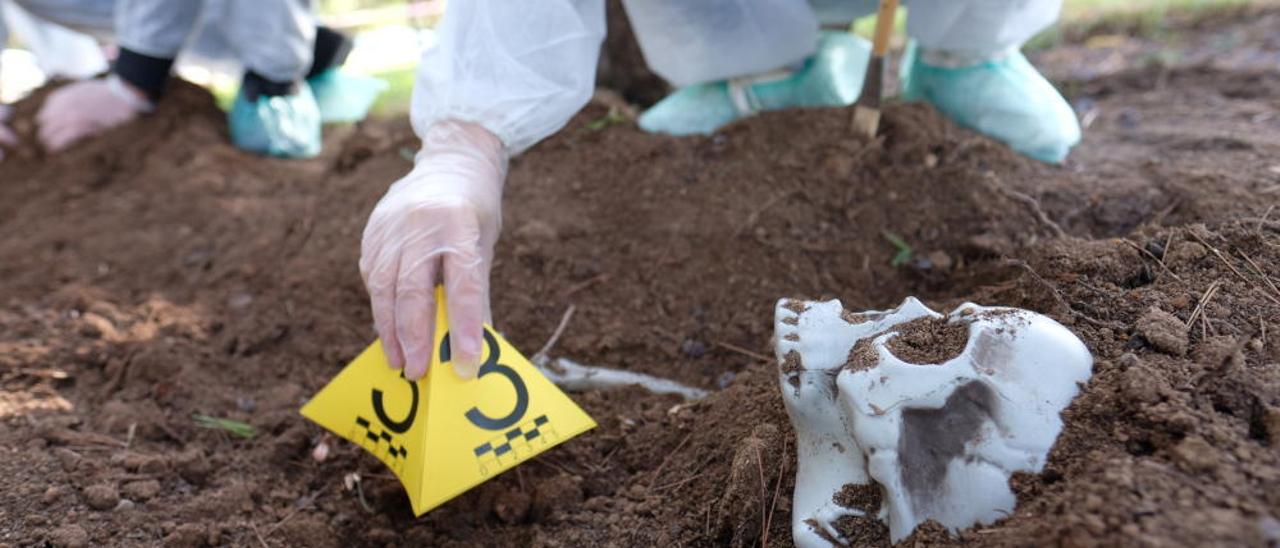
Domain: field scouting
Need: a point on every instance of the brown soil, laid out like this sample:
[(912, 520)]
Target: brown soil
[(929, 341), (157, 272), (867, 529)]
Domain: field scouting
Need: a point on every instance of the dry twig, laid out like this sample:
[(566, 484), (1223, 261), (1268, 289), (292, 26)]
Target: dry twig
[(755, 215), (306, 503), (261, 540), (1031, 203), (555, 335), (1158, 260), (777, 488), (764, 494), (735, 348), (677, 483), (1218, 253), (1062, 301), (1261, 273), (1203, 302), (583, 285), (658, 471)]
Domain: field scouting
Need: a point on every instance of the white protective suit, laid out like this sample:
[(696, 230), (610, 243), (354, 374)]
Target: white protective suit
[(505, 75), (58, 50), (272, 38), (522, 73)]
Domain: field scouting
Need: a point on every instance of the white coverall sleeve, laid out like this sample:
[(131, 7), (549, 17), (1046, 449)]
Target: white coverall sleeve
[(697, 41), (57, 38), (979, 26), (274, 39), (4, 26), (157, 28), (520, 72)]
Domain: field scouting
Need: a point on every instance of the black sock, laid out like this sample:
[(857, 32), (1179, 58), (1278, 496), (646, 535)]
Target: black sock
[(254, 86), (148, 74), (331, 50)]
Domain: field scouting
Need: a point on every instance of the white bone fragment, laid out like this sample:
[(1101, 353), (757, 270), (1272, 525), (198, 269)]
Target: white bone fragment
[(939, 440), (574, 376)]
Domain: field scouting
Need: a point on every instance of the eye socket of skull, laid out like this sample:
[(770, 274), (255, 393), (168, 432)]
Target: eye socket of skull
[(927, 340)]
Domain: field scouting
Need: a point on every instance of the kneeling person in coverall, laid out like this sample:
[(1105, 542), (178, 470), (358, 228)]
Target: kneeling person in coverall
[(501, 79), (290, 68)]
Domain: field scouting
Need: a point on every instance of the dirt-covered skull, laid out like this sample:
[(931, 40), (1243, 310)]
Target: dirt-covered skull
[(927, 414)]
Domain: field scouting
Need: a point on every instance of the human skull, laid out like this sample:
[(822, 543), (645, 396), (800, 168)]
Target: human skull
[(938, 440)]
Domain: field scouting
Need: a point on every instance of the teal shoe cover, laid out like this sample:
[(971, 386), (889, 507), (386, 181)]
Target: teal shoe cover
[(345, 97), (831, 77), (285, 126), (1005, 98)]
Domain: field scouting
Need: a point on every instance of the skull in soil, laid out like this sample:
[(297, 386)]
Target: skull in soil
[(935, 412)]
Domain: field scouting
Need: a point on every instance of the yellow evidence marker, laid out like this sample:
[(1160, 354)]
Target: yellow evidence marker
[(443, 435)]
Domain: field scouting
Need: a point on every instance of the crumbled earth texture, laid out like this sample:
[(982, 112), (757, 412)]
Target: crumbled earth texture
[(929, 341), (157, 272)]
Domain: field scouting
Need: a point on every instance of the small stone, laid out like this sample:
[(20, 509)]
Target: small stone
[(125, 505), (1128, 360), (1270, 529), (725, 379), (69, 459), (1195, 454), (69, 536), (512, 506), (240, 301), (187, 535), (1164, 331), (97, 327), (193, 466), (52, 494), (145, 464), (102, 496), (1156, 249), (142, 490), (693, 348), (940, 260)]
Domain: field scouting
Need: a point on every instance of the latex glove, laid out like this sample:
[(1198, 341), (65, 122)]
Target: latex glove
[(285, 126), (87, 108), (440, 222), (7, 137), (1004, 98), (831, 77)]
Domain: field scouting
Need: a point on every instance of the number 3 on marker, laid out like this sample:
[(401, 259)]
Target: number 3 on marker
[(491, 365), (398, 427)]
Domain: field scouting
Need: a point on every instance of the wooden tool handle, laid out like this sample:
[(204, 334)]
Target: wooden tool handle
[(884, 27)]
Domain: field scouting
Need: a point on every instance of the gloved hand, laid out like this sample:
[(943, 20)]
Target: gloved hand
[(1003, 97), (344, 97), (831, 77), (285, 126), (86, 108), (7, 137), (440, 221)]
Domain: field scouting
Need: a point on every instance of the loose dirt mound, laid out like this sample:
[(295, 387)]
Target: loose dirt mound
[(158, 272)]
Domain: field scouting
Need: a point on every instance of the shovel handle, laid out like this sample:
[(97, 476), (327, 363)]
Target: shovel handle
[(884, 27)]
